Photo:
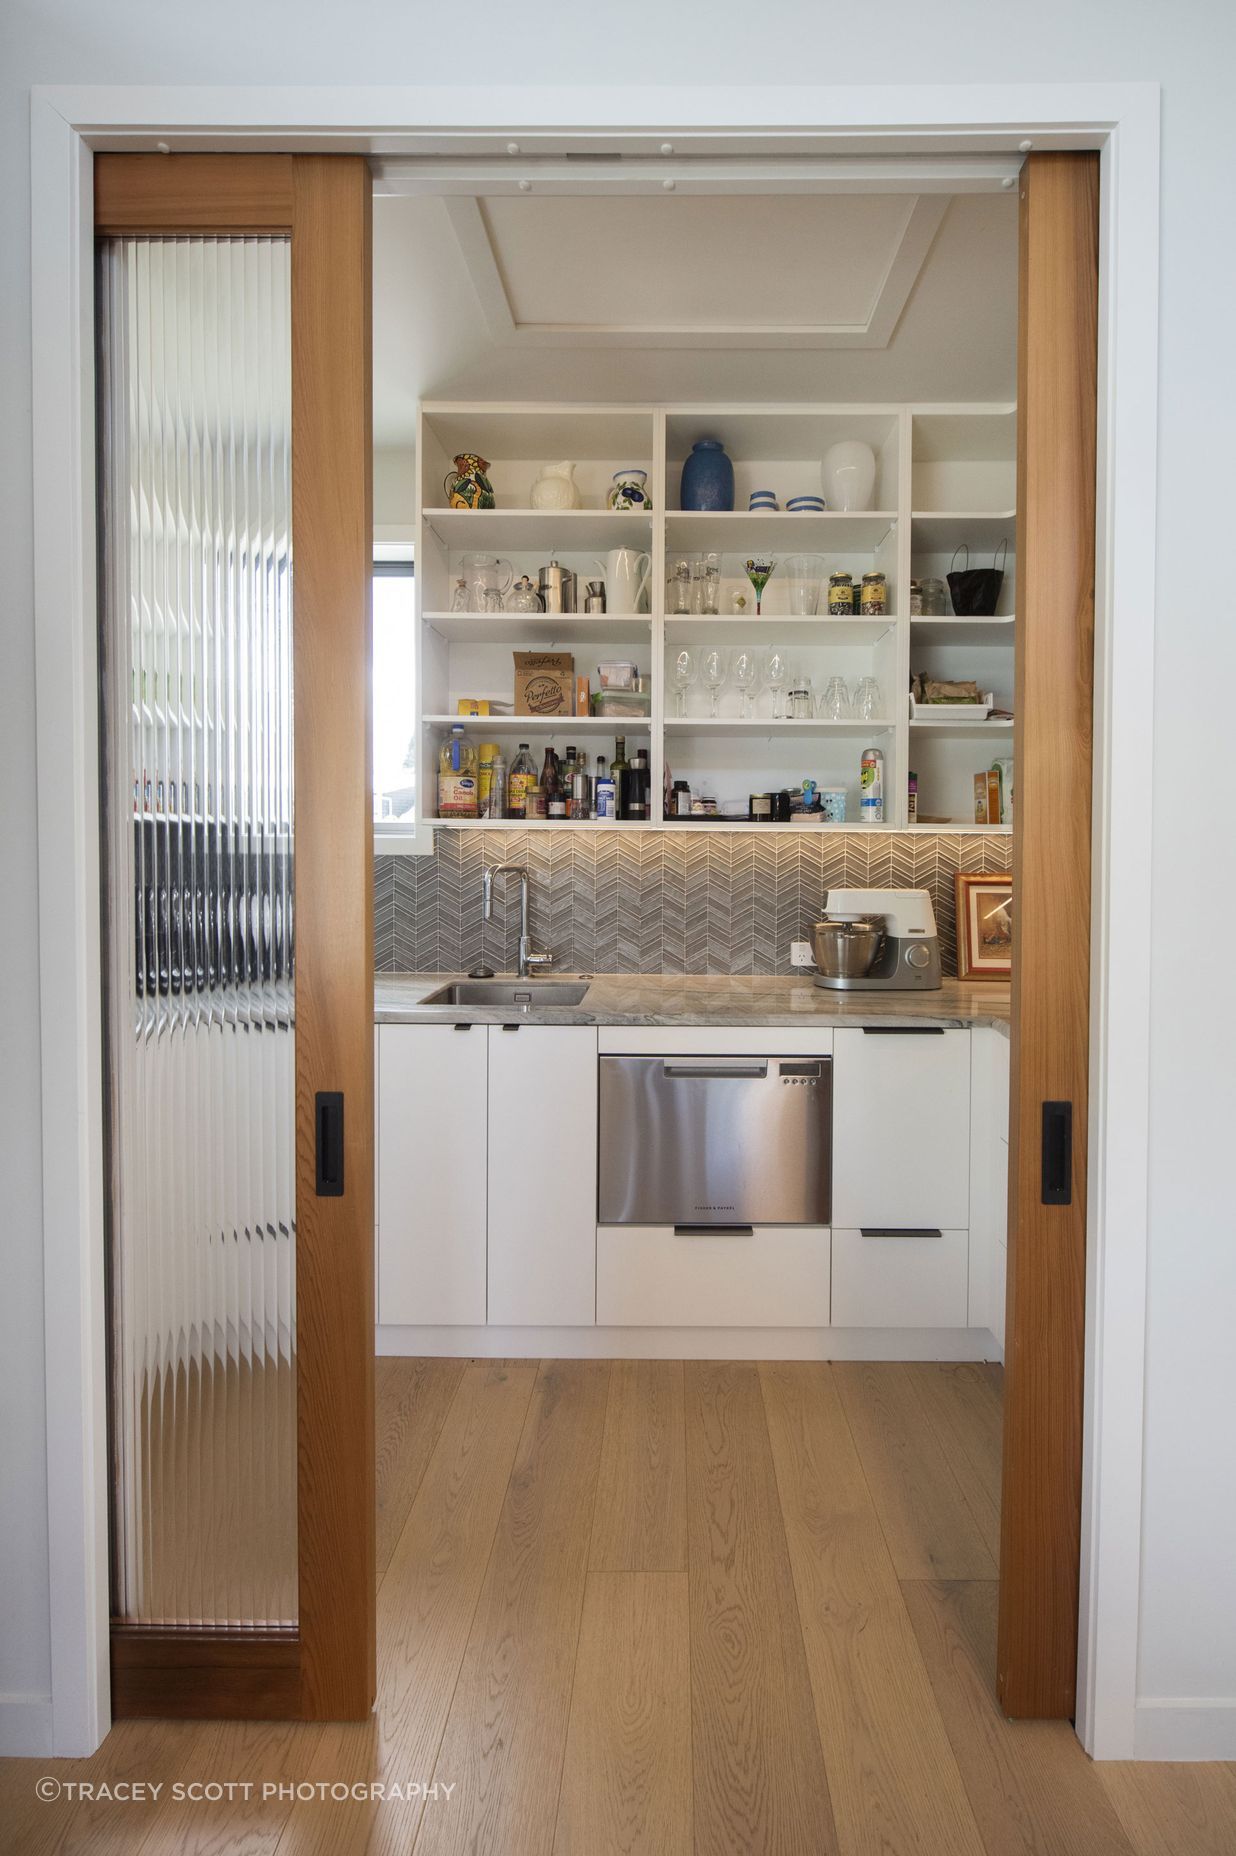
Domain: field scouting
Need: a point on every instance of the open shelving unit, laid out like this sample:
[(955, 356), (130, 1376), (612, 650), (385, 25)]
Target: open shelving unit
[(945, 475)]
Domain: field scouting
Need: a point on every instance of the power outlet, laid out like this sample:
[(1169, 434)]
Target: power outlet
[(800, 954)]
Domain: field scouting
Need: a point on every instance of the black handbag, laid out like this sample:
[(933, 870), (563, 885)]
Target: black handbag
[(975, 590)]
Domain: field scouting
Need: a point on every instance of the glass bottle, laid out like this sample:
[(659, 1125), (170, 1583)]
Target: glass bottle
[(566, 782), (619, 773), (604, 791), (521, 777)]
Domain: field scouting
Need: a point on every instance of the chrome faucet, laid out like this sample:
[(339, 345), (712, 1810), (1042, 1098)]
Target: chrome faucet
[(528, 956)]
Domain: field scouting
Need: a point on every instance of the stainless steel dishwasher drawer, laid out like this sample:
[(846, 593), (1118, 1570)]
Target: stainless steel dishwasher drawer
[(715, 1141)]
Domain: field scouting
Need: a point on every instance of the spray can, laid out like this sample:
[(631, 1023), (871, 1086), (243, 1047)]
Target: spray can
[(871, 787)]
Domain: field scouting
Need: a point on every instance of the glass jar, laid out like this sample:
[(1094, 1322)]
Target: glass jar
[(679, 591), (935, 599), (916, 600), (840, 594), (874, 596)]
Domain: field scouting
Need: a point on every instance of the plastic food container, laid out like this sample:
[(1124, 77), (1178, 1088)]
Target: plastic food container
[(619, 675)]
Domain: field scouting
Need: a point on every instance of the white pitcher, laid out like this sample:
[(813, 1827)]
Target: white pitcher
[(627, 573)]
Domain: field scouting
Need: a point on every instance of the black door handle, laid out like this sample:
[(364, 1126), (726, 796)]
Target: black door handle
[(328, 1117), (1057, 1153)]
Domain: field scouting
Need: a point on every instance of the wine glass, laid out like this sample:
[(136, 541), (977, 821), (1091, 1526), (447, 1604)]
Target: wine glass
[(759, 572), (835, 702), (686, 670), (745, 673), (777, 677), (714, 669)]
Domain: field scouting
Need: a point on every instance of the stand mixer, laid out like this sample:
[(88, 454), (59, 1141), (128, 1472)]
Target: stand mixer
[(877, 940)]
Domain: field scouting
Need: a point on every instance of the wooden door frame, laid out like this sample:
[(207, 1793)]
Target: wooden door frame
[(67, 125), (324, 1668)]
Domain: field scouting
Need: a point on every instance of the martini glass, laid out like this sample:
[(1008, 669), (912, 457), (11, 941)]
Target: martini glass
[(759, 572)]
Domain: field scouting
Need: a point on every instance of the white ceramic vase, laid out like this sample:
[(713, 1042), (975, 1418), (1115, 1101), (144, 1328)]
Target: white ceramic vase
[(848, 474), (555, 488)]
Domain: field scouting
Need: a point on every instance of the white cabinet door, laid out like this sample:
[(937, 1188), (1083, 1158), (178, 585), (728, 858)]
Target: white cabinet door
[(542, 1175), (653, 1276), (431, 1174), (901, 1130), (906, 1281)]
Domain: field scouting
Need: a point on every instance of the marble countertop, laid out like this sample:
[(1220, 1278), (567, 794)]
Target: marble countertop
[(696, 999)]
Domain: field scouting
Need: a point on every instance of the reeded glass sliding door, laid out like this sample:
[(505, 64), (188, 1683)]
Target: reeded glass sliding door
[(196, 397), (233, 301)]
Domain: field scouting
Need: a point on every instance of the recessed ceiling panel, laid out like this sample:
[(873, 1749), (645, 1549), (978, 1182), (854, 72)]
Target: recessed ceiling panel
[(827, 270)]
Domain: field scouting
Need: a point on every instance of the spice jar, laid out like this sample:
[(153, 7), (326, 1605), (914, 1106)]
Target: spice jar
[(840, 593), (874, 595)]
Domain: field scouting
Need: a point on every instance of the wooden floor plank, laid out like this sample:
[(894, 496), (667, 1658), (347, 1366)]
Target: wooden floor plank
[(759, 1780), (412, 1399), (626, 1781), (426, 1606), (1190, 1809), (967, 1414), (1032, 1787), (640, 1523), (930, 1530), (506, 1732), (895, 1786), (150, 1752)]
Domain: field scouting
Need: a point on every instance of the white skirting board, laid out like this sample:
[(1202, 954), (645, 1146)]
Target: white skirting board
[(1186, 1727), (25, 1726), (603, 1343)]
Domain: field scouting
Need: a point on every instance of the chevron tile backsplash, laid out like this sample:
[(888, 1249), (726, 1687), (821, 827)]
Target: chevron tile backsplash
[(648, 902)]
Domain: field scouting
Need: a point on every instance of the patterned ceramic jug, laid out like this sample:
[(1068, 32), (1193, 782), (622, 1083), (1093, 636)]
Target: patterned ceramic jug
[(467, 486)]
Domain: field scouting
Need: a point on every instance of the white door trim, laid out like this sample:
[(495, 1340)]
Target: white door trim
[(68, 123)]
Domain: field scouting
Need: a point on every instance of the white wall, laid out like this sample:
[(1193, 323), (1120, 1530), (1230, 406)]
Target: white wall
[(1188, 1636)]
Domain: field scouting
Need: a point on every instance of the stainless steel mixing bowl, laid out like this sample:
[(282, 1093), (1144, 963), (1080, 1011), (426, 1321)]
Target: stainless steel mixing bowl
[(847, 950)]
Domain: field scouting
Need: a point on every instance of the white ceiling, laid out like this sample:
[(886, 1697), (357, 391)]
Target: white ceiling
[(943, 321)]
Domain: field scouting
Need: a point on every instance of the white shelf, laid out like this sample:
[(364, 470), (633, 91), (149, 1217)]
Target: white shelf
[(819, 629), (941, 531), (952, 630), (760, 726), (953, 731), (542, 725), (961, 824), (542, 629), (741, 531), (538, 824), (565, 531)]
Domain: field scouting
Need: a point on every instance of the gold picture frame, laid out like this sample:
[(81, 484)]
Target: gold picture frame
[(984, 925)]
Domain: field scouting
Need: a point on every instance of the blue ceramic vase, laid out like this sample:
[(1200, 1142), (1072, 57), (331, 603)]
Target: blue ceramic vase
[(707, 477)]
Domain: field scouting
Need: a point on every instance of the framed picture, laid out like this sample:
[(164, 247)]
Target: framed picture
[(984, 925)]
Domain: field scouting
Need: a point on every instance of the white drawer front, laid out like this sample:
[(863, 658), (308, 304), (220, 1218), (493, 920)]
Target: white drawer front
[(904, 1281), (649, 1276)]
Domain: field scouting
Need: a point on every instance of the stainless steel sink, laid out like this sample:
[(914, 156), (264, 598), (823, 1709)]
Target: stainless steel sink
[(522, 995)]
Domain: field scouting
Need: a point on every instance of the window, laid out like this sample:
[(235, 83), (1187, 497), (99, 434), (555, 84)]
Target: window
[(394, 698)]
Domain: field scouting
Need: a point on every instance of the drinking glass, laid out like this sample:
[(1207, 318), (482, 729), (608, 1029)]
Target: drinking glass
[(745, 673), (678, 594), (759, 572), (685, 669), (777, 676), (835, 702), (706, 585), (867, 699), (803, 572), (714, 669), (802, 707)]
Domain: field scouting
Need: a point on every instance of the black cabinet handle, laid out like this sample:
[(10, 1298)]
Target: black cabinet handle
[(901, 1230), (903, 1031), (1057, 1153), (328, 1117)]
